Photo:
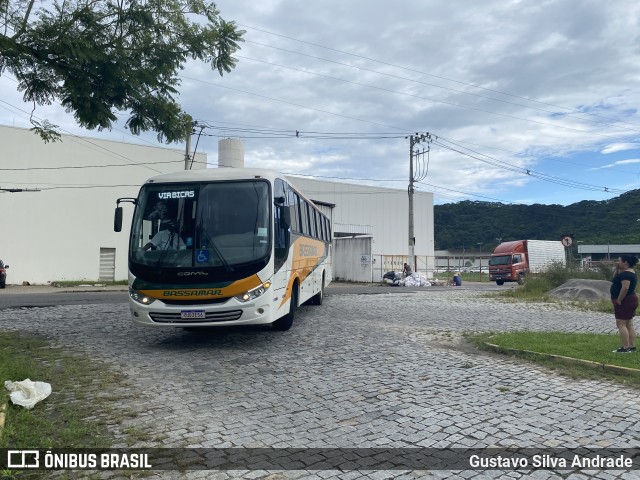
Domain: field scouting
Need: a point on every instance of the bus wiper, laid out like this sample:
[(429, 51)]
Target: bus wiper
[(217, 251), (165, 249)]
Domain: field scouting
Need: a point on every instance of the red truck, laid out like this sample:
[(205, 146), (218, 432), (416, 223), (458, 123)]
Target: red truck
[(512, 261)]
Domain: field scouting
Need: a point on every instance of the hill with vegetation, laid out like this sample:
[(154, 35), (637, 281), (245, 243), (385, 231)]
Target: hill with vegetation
[(468, 223)]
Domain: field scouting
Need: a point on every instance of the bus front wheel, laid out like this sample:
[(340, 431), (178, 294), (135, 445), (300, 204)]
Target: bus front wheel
[(284, 323)]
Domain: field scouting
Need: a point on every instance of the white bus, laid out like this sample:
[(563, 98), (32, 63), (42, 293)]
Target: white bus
[(224, 247)]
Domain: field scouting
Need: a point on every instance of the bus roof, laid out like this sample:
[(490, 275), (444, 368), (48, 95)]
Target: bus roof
[(211, 174), (224, 173)]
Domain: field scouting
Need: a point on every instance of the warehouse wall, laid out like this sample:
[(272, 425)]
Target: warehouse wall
[(384, 209), (57, 232)]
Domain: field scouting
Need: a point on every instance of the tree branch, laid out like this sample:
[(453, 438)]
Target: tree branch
[(25, 20)]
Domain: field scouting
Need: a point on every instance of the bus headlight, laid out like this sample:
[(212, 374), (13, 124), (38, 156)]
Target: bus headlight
[(140, 297), (254, 293)]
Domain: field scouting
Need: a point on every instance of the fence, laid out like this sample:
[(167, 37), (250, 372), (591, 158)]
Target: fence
[(426, 265)]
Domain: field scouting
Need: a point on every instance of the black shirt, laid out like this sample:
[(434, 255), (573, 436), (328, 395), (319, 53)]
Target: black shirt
[(616, 283)]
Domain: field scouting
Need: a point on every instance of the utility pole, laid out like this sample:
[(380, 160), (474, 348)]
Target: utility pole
[(412, 238), (187, 154), (413, 141)]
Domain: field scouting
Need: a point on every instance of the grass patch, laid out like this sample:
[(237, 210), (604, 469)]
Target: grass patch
[(581, 346), (77, 412)]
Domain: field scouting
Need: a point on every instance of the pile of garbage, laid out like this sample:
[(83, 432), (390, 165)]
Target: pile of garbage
[(395, 279)]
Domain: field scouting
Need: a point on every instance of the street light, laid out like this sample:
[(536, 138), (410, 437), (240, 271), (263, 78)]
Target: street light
[(480, 245)]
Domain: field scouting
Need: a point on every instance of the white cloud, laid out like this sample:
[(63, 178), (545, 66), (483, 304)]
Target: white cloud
[(620, 147), (628, 161), (513, 83)]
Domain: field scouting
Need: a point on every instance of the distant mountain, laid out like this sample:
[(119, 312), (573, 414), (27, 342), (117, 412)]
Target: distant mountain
[(466, 224)]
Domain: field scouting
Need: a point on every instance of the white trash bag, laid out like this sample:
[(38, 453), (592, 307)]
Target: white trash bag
[(27, 393), (415, 280)]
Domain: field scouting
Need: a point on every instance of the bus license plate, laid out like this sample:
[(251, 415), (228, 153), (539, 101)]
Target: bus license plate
[(188, 314)]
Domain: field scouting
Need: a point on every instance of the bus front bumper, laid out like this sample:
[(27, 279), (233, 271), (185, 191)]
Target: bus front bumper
[(231, 312)]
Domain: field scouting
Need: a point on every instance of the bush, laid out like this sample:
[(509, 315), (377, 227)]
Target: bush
[(537, 285), (557, 274)]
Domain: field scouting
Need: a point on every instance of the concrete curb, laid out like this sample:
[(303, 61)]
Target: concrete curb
[(43, 289), (576, 361)]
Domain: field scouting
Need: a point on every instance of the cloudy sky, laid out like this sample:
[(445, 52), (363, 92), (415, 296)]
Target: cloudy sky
[(524, 101)]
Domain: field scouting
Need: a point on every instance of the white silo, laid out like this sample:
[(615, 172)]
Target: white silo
[(230, 153)]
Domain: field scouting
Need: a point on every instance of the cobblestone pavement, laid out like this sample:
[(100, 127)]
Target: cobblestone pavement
[(366, 371)]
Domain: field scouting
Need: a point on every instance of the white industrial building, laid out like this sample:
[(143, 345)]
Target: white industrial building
[(371, 228), (64, 230)]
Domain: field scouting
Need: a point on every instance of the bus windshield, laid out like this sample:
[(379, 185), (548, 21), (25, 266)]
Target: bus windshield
[(216, 224)]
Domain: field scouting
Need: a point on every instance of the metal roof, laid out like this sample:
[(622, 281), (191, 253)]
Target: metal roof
[(585, 249)]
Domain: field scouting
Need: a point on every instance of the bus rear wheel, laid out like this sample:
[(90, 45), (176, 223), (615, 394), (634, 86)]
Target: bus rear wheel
[(318, 297), (285, 323)]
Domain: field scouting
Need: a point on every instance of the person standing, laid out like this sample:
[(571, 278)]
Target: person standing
[(625, 301)]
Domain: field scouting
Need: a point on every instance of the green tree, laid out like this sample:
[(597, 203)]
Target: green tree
[(613, 221), (99, 57)]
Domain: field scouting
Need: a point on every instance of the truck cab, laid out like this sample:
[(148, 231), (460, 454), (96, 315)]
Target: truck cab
[(509, 263)]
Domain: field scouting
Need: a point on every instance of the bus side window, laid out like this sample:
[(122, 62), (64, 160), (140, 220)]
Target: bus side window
[(323, 223), (294, 210), (304, 217), (314, 224)]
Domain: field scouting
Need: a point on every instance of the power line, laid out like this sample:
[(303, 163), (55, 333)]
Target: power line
[(432, 99), (290, 103), (363, 179), (81, 167), (241, 132), (71, 136), (422, 168), (381, 62), (541, 176)]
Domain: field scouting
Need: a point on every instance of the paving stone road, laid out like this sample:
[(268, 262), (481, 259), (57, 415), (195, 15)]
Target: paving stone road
[(365, 371)]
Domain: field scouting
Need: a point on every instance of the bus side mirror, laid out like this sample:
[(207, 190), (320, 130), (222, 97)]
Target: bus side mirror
[(285, 218), (117, 220)]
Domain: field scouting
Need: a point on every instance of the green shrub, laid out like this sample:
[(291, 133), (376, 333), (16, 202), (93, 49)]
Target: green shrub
[(606, 271), (537, 284), (557, 274)]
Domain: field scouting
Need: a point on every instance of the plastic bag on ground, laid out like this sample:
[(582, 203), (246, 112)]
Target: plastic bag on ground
[(27, 393)]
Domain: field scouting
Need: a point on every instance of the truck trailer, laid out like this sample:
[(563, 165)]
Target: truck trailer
[(512, 261)]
